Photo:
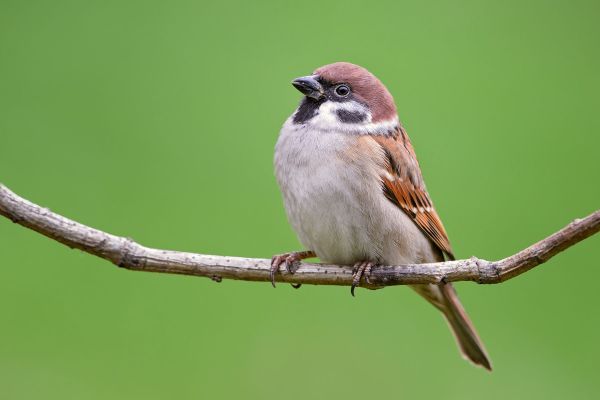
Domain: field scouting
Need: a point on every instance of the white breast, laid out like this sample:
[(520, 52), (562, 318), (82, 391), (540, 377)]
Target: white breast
[(332, 193)]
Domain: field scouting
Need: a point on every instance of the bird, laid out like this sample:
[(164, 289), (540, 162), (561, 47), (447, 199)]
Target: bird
[(354, 193)]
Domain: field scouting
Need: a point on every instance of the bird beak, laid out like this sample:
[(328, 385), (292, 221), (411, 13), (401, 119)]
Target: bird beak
[(309, 86)]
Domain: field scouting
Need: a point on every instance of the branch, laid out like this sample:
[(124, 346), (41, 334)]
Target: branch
[(128, 254)]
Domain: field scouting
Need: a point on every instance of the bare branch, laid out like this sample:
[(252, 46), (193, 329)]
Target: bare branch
[(128, 254)]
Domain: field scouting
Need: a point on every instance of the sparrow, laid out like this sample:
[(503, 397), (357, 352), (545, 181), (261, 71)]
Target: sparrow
[(354, 193)]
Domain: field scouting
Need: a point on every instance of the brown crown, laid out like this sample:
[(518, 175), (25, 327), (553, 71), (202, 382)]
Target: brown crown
[(365, 86)]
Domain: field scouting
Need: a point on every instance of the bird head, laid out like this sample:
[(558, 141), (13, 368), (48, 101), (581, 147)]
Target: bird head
[(345, 97)]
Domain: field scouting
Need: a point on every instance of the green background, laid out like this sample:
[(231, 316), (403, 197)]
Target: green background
[(156, 120)]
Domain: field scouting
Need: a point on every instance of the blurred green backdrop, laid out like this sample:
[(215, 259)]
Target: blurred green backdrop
[(157, 120)]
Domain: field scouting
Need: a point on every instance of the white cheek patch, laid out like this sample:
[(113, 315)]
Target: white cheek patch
[(328, 112), (328, 119)]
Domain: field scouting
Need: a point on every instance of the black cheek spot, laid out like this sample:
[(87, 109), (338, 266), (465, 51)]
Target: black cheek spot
[(351, 117)]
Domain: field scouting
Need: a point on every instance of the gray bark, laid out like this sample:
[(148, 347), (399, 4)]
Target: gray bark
[(128, 254)]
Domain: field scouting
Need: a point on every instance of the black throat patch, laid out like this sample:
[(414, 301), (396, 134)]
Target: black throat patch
[(307, 110)]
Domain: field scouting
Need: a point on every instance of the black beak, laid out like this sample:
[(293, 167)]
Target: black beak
[(309, 86)]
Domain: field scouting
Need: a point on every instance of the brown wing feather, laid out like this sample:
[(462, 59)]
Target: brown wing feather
[(403, 185)]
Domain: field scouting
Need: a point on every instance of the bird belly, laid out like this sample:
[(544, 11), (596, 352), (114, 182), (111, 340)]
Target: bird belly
[(330, 224)]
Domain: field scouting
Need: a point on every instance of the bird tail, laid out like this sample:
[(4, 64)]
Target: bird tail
[(444, 298)]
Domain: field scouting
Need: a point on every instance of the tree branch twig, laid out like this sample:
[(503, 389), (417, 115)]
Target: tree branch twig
[(128, 254)]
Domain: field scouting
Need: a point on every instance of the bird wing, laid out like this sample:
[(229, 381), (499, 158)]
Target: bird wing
[(403, 185)]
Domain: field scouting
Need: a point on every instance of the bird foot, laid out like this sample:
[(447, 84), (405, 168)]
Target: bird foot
[(362, 268), (291, 261)]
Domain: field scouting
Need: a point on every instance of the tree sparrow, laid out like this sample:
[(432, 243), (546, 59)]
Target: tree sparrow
[(353, 190)]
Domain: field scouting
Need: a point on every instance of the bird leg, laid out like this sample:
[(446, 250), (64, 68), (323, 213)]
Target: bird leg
[(291, 262), (362, 268)]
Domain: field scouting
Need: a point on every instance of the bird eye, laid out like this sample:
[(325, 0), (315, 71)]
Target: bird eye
[(342, 90)]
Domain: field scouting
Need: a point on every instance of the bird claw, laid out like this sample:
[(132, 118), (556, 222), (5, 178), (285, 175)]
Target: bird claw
[(291, 261), (361, 269)]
